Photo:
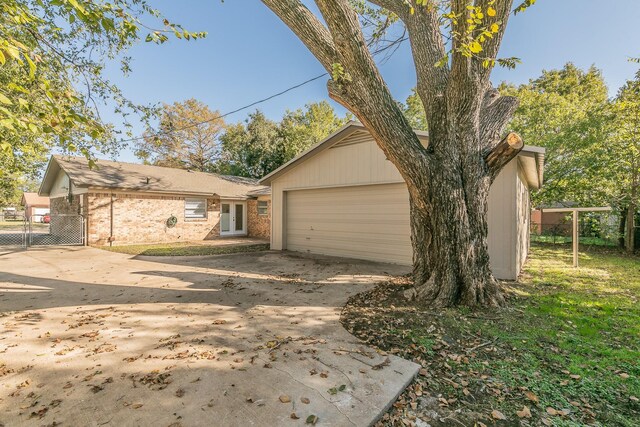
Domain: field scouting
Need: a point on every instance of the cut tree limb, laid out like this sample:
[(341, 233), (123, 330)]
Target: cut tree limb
[(503, 153)]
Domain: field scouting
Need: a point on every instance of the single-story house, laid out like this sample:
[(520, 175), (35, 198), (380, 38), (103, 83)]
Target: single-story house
[(124, 203), (342, 197), (35, 206)]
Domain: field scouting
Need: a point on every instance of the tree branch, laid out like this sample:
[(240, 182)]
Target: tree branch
[(307, 27), (503, 153), (495, 114)]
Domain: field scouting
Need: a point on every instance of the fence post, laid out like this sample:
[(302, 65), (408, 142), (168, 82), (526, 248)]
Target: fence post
[(575, 238)]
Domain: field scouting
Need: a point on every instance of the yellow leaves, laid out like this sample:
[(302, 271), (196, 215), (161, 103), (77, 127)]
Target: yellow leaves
[(491, 11), (495, 28), (5, 100), (475, 47)]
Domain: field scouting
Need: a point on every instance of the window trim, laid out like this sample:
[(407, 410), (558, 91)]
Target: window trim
[(266, 208), (196, 218)]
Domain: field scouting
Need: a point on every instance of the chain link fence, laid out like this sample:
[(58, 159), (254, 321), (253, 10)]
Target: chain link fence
[(594, 229), (51, 230), (14, 231)]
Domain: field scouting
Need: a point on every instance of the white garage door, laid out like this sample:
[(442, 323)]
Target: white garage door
[(366, 222)]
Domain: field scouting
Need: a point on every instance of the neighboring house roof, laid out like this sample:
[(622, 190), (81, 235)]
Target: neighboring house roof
[(109, 175), (263, 191), (531, 157), (34, 199)]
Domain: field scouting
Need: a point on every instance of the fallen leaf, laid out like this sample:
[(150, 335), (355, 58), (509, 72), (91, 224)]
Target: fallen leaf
[(575, 377), (498, 415), (525, 413), (294, 416), (634, 399), (137, 405), (180, 392), (312, 419), (305, 400), (531, 396), (551, 411), (624, 375), (285, 399), (546, 421)]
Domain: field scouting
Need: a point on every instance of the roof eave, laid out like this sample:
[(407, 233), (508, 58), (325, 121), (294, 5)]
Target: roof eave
[(49, 177)]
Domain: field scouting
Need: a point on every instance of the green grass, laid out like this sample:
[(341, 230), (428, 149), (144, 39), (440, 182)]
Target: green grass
[(566, 240), (184, 249), (569, 336)]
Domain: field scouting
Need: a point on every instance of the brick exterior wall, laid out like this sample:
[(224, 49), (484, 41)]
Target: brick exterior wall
[(61, 206), (258, 225), (141, 218)]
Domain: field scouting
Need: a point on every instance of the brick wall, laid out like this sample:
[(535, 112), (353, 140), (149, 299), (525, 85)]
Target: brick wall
[(258, 225), (62, 206), (140, 218)]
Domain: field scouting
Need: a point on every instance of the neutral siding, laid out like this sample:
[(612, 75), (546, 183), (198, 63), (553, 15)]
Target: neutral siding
[(502, 223), (356, 165), (60, 186), (522, 221)]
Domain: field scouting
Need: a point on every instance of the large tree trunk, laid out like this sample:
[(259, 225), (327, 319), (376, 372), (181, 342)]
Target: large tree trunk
[(449, 235), (448, 181)]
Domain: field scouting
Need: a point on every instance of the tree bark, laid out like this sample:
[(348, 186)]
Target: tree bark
[(622, 228), (448, 181), (630, 238), (449, 235)]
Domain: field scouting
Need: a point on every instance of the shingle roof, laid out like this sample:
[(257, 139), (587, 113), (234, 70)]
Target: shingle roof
[(139, 177), (33, 199)]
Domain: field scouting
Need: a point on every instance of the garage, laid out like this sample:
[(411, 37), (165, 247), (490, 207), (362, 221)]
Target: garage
[(366, 222), (343, 197)]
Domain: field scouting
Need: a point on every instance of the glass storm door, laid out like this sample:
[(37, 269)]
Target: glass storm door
[(233, 218)]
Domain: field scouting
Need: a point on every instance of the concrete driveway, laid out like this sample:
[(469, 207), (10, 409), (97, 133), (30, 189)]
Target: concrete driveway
[(90, 337)]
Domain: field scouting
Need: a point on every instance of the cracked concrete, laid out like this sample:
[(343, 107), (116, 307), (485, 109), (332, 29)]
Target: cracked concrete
[(91, 337)]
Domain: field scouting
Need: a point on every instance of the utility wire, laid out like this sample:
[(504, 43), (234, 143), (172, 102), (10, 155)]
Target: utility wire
[(260, 101)]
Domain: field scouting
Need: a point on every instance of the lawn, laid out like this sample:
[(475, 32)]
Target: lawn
[(565, 352), (185, 249)]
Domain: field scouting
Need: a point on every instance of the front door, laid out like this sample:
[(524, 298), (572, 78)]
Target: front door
[(233, 219)]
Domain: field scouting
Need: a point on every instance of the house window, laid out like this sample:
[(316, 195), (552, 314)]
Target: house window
[(195, 208), (262, 207)]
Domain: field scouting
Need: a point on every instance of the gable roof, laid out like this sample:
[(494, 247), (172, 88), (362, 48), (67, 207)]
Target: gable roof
[(531, 157), (34, 199), (109, 175)]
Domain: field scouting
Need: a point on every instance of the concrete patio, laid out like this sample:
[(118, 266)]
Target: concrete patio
[(91, 337)]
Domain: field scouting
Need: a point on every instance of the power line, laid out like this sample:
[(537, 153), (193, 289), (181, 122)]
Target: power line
[(275, 95), (393, 44)]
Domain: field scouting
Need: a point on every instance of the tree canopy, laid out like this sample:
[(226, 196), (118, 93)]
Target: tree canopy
[(259, 145), (52, 60), (186, 137), (565, 111)]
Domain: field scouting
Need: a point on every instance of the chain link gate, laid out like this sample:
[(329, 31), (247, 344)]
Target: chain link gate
[(14, 233), (60, 230)]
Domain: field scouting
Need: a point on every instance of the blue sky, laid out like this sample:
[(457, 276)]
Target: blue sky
[(249, 54)]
